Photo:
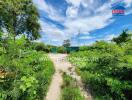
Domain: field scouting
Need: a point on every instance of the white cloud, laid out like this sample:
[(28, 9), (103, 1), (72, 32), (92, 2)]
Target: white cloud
[(87, 24), (77, 21), (74, 22), (87, 3), (41, 4), (72, 12), (73, 9), (75, 3), (51, 31), (93, 16), (109, 37), (128, 2), (104, 8), (86, 37), (51, 12)]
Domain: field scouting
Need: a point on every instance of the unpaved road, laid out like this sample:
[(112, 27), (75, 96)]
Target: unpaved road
[(62, 65)]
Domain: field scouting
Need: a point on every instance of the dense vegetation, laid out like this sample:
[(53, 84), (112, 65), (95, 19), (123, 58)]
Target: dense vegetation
[(49, 48), (107, 68), (25, 74), (70, 91), (25, 70)]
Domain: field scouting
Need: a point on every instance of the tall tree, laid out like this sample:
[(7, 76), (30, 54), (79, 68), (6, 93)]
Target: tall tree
[(66, 43), (123, 37), (19, 17)]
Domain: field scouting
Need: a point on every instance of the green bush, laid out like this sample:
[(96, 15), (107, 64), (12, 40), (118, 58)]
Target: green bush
[(25, 74), (106, 69), (61, 49), (41, 47)]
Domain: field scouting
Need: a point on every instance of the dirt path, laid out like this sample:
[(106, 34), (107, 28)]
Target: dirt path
[(61, 65)]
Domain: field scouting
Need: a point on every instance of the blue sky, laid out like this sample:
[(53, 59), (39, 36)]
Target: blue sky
[(82, 21)]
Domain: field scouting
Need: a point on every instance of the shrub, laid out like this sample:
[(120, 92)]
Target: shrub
[(69, 89), (109, 76), (41, 47), (25, 74), (61, 49)]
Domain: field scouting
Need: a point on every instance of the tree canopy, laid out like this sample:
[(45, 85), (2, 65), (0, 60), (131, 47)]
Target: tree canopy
[(123, 37), (66, 43), (19, 17)]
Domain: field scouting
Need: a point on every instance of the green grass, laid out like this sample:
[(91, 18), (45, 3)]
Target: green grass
[(69, 89)]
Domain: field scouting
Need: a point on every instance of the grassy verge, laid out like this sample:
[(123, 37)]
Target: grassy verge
[(69, 89)]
